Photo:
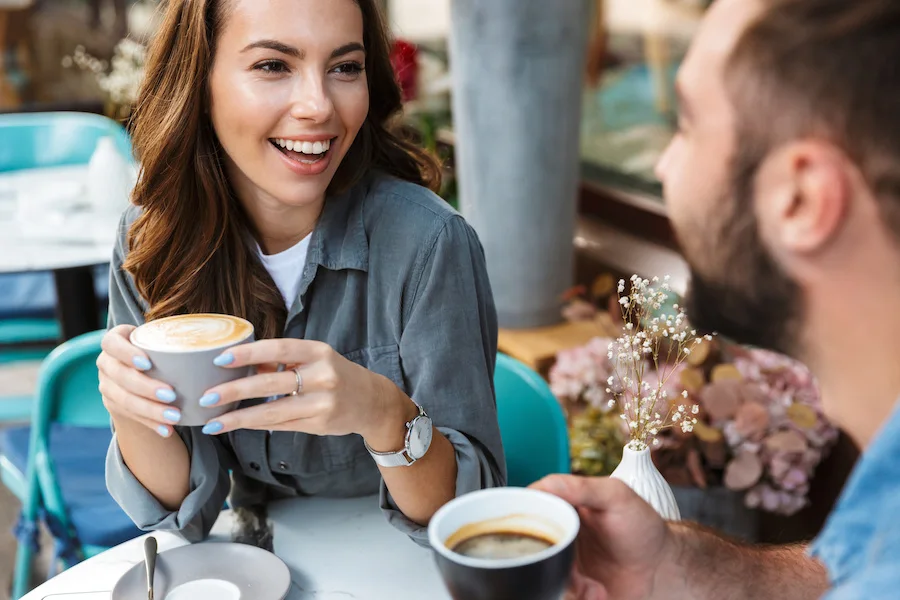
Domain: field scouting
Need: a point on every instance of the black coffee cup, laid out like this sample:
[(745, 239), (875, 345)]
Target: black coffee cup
[(543, 575)]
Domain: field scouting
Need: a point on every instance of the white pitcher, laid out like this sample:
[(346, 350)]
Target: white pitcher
[(110, 178)]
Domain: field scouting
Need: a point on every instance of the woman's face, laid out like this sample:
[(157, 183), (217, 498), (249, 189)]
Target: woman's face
[(288, 94)]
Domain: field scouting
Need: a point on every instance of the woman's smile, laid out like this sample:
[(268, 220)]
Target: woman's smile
[(305, 155)]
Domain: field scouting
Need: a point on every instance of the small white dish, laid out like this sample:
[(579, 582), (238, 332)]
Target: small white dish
[(210, 571), (205, 589)]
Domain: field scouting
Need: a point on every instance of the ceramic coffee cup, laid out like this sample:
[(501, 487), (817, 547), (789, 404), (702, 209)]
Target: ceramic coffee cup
[(543, 575), (181, 350)]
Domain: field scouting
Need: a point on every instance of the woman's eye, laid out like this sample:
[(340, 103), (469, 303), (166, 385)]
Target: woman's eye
[(349, 69), (271, 66)]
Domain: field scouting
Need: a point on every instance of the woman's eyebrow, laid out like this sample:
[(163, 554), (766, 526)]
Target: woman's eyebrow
[(299, 54)]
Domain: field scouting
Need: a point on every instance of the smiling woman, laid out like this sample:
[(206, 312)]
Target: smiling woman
[(274, 188)]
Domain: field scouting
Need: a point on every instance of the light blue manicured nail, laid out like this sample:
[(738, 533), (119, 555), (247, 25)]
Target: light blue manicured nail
[(141, 363), (163, 431), (165, 394), (212, 427), (209, 399), (223, 360), (171, 415)]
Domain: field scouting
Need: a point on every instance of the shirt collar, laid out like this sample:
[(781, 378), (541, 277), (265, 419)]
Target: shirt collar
[(854, 524), (339, 240)]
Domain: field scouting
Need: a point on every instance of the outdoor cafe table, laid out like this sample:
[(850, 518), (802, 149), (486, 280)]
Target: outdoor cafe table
[(45, 225), (335, 549)]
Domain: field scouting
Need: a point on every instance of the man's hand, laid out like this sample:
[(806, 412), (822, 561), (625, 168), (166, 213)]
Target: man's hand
[(622, 543), (626, 551)]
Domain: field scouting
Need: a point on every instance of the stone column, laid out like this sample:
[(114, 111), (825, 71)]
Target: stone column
[(517, 68)]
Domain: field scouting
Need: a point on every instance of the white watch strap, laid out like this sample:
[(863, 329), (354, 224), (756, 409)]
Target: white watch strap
[(390, 459), (400, 458)]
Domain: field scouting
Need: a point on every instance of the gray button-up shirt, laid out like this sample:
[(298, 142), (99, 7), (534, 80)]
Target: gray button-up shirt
[(395, 280)]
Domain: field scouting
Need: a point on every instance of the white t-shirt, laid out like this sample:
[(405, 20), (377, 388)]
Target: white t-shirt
[(286, 268)]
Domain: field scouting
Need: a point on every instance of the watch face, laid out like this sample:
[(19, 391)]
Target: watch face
[(419, 437)]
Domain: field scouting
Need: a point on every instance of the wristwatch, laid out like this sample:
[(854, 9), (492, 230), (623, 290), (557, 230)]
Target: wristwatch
[(418, 440)]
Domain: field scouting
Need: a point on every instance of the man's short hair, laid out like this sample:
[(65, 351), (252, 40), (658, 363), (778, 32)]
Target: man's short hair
[(827, 69)]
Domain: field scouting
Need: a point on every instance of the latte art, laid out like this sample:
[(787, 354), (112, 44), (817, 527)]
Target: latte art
[(191, 332)]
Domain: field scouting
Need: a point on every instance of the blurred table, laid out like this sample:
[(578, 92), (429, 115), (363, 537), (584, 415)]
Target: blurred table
[(335, 549), (537, 347), (47, 225)]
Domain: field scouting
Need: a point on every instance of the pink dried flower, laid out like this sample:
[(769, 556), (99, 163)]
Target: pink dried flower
[(796, 437), (582, 373)]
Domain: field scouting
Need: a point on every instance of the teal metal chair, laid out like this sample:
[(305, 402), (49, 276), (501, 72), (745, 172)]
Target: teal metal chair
[(532, 424), (56, 467), (40, 140), (55, 139)]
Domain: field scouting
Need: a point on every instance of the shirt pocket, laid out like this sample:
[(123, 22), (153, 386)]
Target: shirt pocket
[(343, 452)]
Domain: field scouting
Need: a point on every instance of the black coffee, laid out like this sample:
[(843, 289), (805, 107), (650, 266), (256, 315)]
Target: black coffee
[(501, 545)]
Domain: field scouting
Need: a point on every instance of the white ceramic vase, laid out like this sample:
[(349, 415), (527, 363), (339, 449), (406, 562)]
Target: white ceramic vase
[(640, 474)]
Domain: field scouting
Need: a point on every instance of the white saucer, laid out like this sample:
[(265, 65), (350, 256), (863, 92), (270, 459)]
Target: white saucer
[(212, 571)]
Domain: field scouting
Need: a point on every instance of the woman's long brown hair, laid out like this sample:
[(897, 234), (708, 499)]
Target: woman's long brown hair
[(191, 249)]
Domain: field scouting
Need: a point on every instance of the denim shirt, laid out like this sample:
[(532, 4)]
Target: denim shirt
[(860, 544), (395, 280)]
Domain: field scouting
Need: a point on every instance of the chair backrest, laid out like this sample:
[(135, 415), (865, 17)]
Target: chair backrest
[(67, 393), (532, 423), (68, 386), (55, 139)]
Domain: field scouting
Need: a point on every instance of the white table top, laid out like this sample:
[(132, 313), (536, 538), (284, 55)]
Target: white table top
[(47, 224), (335, 549)]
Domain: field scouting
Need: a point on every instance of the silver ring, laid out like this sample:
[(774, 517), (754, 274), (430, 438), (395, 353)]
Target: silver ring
[(299, 387)]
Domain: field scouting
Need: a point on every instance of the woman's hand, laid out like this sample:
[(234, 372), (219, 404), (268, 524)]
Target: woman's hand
[(127, 392), (337, 396)]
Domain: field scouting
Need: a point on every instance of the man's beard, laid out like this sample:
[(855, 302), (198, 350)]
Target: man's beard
[(745, 297)]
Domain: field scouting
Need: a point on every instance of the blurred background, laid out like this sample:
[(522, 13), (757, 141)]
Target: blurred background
[(86, 56)]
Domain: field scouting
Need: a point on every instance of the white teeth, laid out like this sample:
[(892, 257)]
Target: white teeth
[(311, 148)]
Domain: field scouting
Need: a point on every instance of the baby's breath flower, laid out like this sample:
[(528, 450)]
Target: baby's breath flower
[(650, 341)]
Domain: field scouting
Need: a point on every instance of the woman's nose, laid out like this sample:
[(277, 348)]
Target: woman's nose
[(311, 101)]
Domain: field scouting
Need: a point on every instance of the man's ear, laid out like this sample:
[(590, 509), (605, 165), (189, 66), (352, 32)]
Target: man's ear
[(803, 195)]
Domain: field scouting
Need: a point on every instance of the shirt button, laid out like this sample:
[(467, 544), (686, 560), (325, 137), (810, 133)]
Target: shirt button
[(283, 466), (254, 466)]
